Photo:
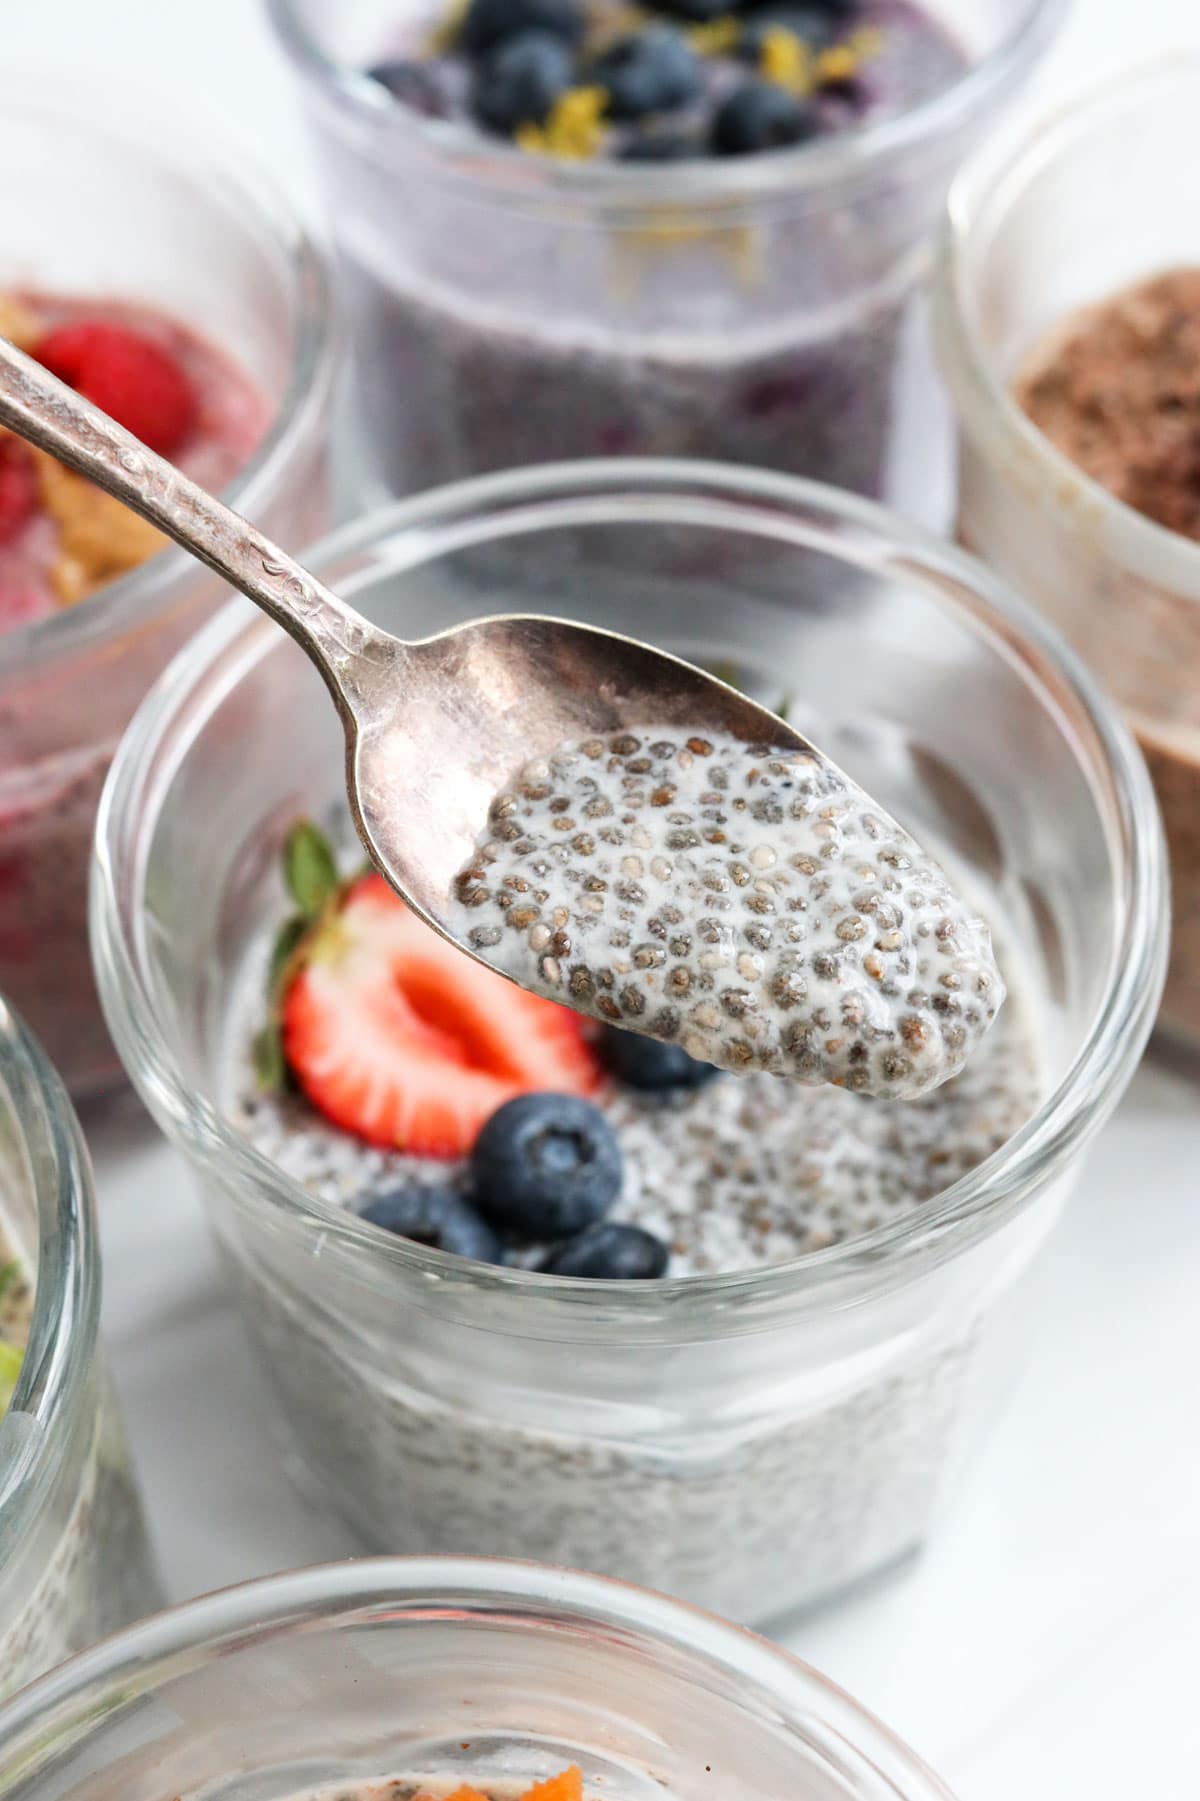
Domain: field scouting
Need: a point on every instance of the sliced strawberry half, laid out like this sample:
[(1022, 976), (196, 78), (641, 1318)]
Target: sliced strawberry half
[(409, 1043)]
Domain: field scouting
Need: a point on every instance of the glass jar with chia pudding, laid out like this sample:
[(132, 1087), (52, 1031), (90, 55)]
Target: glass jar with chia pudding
[(389, 1679), (75, 1563), (1068, 297), (773, 1408), (184, 298), (690, 229)]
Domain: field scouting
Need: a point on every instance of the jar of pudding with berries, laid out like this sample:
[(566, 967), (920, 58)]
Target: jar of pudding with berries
[(779, 1401), (569, 228), (183, 297)]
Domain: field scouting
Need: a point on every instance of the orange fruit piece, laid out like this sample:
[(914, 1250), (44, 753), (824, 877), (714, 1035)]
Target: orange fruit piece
[(566, 1786)]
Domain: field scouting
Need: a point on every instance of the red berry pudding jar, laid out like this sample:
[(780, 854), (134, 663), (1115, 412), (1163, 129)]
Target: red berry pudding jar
[(785, 1409), (519, 292), (396, 1678), (182, 296)]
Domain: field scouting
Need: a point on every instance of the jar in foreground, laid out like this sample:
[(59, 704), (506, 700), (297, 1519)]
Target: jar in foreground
[(443, 1672), (751, 1440), (102, 213), (1067, 218), (508, 308), (75, 1563)]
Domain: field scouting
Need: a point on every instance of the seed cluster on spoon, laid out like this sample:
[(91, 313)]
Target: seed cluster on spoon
[(747, 902)]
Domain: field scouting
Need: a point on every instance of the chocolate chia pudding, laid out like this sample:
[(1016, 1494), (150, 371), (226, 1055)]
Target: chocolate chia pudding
[(751, 904), (623, 299), (86, 1570), (62, 543), (1116, 388)]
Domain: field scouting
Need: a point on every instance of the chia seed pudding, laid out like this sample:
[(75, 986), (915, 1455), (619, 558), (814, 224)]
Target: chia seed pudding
[(691, 355), (751, 904), (440, 1785), (86, 1569), (740, 1173), (774, 1416), (621, 299)]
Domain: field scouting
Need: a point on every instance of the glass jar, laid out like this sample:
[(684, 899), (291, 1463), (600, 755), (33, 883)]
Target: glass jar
[(753, 1440), (75, 1563), (1084, 207), (509, 309), (96, 210), (498, 1674)]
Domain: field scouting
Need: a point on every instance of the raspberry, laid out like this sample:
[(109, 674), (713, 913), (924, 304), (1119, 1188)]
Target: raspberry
[(131, 379), (18, 488)]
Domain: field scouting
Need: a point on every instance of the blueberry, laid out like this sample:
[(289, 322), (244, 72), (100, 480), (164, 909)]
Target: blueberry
[(646, 1063), (492, 22), (696, 12), (519, 83), (546, 1166), (648, 72), (437, 1217), (760, 116), (414, 85), (829, 18), (611, 1252), (659, 147)]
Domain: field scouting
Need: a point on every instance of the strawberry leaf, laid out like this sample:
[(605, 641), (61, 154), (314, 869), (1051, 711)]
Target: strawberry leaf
[(11, 1357), (291, 936), (309, 869), (270, 1067), (784, 709)]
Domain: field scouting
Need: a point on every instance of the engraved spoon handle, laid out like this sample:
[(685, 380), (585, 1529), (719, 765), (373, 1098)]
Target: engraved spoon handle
[(43, 410)]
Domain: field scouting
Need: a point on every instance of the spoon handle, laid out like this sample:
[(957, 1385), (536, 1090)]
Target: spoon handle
[(40, 408)]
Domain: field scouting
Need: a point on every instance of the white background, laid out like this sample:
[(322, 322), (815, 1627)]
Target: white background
[(1047, 1647)]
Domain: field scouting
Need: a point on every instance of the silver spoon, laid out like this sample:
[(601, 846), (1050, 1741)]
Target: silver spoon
[(433, 728)]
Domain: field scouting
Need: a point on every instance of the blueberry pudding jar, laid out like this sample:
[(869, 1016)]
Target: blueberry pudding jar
[(572, 228), (390, 1679), (74, 1559), (724, 1335)]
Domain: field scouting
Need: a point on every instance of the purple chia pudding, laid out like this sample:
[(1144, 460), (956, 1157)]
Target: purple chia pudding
[(613, 255)]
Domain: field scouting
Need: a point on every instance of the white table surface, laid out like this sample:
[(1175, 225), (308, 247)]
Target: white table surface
[(1047, 1646)]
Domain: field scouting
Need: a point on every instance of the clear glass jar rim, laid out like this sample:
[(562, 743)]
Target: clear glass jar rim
[(190, 158), (872, 538), (197, 1631), (811, 169), (66, 1306), (997, 176)]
